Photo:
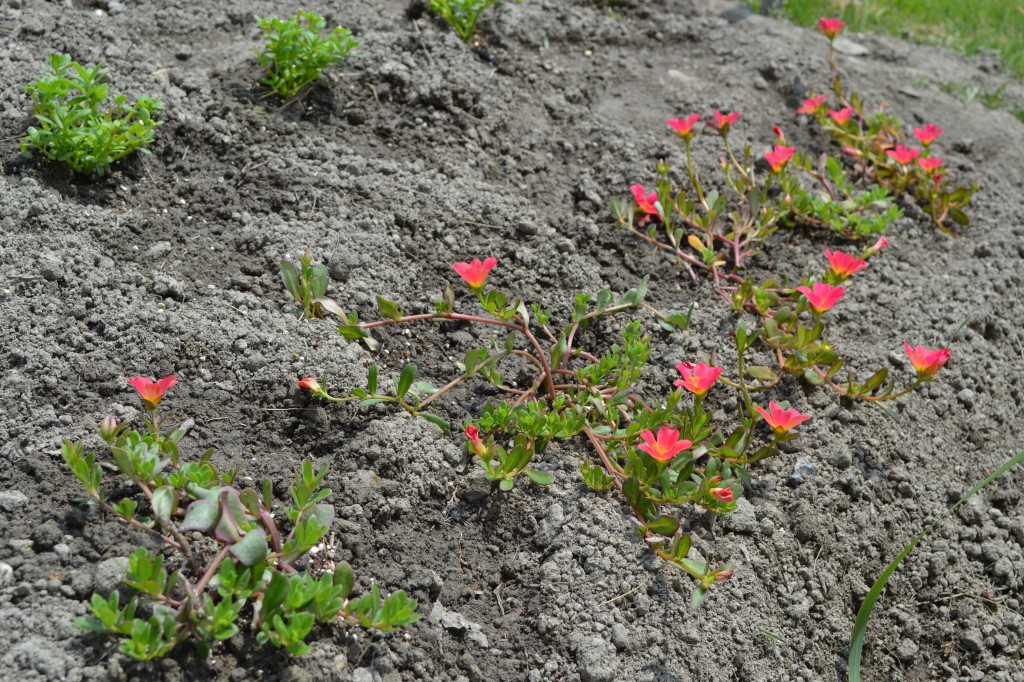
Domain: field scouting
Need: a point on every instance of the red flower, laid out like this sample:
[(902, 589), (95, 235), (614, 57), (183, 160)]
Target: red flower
[(930, 165), (779, 157), (841, 116), (477, 445), (723, 122), (722, 494), (926, 362), (823, 296), (812, 105), (666, 446), (311, 384), (843, 264), (644, 201), (697, 378), (684, 126), (928, 134), (152, 391), (780, 419), (830, 27), (902, 155), (475, 273)]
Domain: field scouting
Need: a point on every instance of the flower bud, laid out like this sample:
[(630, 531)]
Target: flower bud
[(108, 429), (722, 576)]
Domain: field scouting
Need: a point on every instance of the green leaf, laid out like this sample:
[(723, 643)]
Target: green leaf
[(405, 380), (435, 420), (860, 626), (251, 549), (635, 296), (812, 377), (344, 578), (388, 309), (875, 380), (557, 351), (319, 281), (506, 484), (201, 515), (539, 477), (699, 593), (352, 332), (760, 373), (665, 526), (165, 503), (371, 379)]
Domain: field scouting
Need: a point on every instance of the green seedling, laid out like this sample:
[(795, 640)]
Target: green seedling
[(78, 127), (296, 51), (462, 14)]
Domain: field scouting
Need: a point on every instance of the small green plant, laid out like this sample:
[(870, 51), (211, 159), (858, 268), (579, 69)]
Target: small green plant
[(77, 126), (307, 283), (233, 560), (463, 14), (296, 54)]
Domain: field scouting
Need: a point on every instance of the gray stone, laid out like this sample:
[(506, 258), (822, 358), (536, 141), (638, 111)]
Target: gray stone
[(478, 488), (906, 650), (10, 500), (109, 575), (742, 519), (45, 536), (972, 641), (850, 48), (6, 574), (596, 659), (621, 638)]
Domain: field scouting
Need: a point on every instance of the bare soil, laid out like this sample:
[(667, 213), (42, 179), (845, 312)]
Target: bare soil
[(424, 151)]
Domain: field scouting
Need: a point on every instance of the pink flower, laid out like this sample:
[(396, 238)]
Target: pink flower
[(830, 27), (902, 155), (666, 446), (644, 201), (926, 362), (723, 122), (477, 445), (697, 378), (311, 384), (780, 419), (475, 273), (722, 494), (875, 248), (841, 116), (684, 126), (779, 157), (812, 105), (151, 391), (822, 297), (843, 264), (722, 576), (930, 165), (928, 134)]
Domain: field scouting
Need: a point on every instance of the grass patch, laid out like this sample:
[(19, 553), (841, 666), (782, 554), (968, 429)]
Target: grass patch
[(965, 25)]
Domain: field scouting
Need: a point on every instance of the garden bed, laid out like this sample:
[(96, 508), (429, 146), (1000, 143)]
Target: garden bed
[(424, 151)]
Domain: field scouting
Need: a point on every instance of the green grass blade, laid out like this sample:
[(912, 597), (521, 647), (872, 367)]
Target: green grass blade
[(860, 626)]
